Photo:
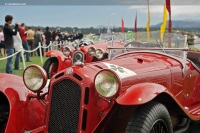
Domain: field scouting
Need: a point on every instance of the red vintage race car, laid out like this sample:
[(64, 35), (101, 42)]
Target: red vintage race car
[(145, 90), (60, 60)]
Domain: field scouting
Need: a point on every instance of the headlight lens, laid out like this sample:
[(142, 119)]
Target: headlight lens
[(75, 44), (35, 78), (78, 57), (66, 51), (106, 84), (99, 53), (91, 51)]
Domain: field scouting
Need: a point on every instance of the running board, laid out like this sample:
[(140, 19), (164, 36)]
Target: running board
[(184, 128)]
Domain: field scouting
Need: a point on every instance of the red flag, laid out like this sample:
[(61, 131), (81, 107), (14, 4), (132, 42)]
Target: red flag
[(135, 28), (168, 6), (122, 25)]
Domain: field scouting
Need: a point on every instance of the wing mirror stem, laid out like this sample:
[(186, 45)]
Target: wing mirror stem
[(111, 45), (185, 56)]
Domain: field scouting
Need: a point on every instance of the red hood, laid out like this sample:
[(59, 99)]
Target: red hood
[(138, 63), (136, 68)]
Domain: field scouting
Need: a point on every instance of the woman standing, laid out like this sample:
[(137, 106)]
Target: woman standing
[(2, 44), (18, 46)]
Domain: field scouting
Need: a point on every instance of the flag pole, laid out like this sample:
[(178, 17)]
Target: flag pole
[(148, 22), (135, 28)]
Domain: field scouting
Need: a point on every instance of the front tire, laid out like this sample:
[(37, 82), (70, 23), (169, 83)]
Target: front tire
[(152, 117), (4, 114), (51, 66)]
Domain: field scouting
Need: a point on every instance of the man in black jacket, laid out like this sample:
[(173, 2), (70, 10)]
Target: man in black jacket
[(48, 37), (9, 42)]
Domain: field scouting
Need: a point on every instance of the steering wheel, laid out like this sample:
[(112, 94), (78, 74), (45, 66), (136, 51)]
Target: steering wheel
[(82, 43), (134, 44)]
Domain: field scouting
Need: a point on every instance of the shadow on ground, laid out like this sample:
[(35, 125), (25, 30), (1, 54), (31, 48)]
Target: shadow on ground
[(194, 127)]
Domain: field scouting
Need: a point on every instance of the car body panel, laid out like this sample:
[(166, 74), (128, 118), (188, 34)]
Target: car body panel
[(63, 61), (24, 114), (140, 94)]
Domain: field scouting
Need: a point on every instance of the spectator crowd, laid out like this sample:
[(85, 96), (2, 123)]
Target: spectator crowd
[(21, 36)]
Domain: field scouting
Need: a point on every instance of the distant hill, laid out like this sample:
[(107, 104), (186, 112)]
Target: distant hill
[(182, 24)]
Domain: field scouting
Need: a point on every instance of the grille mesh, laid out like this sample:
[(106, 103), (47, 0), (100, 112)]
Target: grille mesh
[(65, 106)]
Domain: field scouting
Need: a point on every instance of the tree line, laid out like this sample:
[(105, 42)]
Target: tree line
[(104, 30)]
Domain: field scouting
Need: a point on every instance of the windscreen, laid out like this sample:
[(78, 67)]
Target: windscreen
[(155, 41)]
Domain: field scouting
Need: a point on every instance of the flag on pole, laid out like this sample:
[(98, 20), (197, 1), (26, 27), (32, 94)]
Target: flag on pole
[(168, 6), (163, 26), (148, 22), (122, 25), (135, 27)]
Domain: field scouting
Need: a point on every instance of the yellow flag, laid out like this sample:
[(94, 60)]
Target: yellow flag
[(148, 23), (163, 26)]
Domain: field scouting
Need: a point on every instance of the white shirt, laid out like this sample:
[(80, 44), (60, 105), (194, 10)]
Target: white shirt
[(1, 36), (17, 42)]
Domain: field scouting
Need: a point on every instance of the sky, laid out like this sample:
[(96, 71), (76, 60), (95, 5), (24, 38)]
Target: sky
[(92, 13)]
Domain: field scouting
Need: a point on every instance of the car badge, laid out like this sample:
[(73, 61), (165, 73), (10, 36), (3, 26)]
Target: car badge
[(69, 70)]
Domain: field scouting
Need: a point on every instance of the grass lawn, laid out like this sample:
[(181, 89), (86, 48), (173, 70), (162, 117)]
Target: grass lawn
[(35, 60), (193, 48)]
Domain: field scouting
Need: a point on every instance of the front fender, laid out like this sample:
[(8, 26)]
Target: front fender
[(61, 57), (63, 61), (140, 94), (24, 115)]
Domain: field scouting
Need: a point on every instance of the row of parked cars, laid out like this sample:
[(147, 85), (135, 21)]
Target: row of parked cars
[(114, 86)]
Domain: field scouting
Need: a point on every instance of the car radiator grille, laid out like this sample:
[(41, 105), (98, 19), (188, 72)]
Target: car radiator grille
[(65, 107)]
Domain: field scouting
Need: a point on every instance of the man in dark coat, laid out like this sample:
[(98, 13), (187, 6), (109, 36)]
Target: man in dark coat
[(48, 37), (9, 42)]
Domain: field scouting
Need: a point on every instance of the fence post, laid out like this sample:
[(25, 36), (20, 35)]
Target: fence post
[(23, 60), (50, 45), (40, 48)]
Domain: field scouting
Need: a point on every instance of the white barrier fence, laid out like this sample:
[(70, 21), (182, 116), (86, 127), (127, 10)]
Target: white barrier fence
[(51, 46)]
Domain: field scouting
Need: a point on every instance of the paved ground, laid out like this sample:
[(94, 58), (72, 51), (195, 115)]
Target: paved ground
[(194, 127)]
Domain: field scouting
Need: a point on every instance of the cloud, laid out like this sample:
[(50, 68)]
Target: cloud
[(176, 10), (113, 14)]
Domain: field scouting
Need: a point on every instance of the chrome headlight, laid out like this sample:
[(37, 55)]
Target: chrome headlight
[(92, 51), (78, 58), (75, 43), (66, 51), (35, 78), (106, 83), (99, 53)]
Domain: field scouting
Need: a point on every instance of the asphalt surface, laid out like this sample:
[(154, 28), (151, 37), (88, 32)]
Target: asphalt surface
[(194, 127)]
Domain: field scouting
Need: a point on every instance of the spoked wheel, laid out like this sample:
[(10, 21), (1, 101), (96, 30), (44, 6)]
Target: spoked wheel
[(159, 127), (152, 117), (51, 66), (4, 114)]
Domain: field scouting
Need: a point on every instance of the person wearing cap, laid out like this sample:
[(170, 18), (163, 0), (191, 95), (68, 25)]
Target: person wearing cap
[(9, 42)]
